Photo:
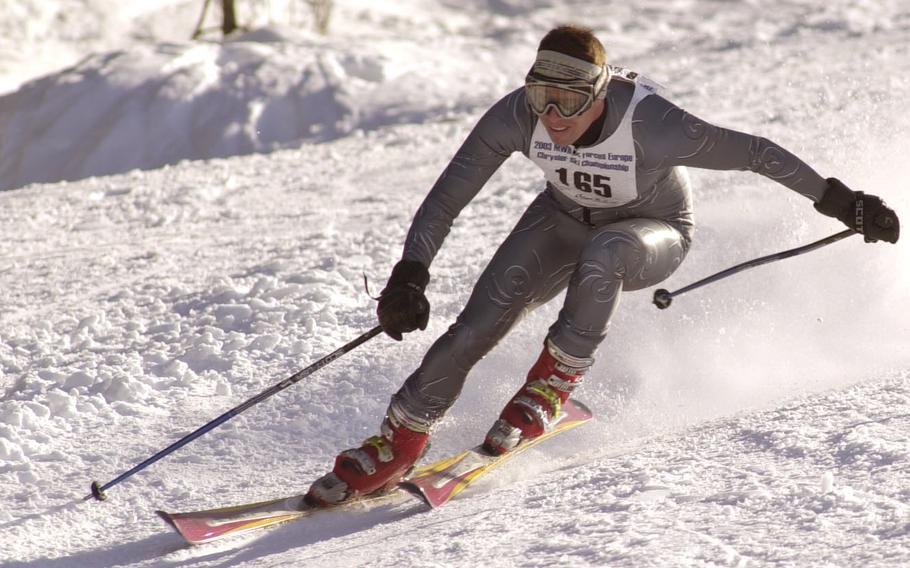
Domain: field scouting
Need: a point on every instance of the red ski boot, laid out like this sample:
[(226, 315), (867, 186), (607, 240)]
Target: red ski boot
[(537, 405), (377, 466)]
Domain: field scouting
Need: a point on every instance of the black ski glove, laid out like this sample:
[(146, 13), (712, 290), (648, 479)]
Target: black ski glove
[(866, 214), (403, 307)]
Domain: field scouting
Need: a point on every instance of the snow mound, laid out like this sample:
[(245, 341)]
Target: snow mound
[(148, 106)]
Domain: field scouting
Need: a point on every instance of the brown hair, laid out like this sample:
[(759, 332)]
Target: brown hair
[(576, 41)]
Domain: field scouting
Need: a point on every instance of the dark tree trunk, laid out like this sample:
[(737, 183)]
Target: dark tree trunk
[(229, 24)]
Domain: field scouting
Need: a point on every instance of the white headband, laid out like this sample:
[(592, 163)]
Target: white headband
[(561, 66)]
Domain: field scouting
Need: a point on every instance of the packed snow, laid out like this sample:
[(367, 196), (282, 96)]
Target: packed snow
[(188, 223)]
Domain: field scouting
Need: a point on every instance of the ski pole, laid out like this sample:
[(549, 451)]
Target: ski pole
[(663, 298), (98, 490)]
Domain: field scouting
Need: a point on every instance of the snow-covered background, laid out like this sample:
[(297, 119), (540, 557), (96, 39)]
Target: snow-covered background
[(187, 223)]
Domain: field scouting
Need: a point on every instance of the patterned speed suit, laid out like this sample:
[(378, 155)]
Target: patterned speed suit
[(578, 235)]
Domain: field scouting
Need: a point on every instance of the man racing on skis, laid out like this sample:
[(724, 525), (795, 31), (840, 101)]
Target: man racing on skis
[(615, 215)]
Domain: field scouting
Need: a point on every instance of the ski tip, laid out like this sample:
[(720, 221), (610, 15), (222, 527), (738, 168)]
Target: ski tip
[(415, 491), (166, 517)]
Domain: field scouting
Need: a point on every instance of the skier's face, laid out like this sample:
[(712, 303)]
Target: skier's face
[(565, 131)]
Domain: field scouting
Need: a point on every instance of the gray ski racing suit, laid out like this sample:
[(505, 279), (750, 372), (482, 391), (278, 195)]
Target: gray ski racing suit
[(615, 215)]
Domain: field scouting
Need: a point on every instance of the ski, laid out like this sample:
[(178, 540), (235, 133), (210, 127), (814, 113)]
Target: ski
[(434, 484), (200, 527)]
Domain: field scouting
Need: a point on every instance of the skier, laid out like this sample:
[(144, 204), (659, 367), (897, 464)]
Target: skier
[(615, 215)]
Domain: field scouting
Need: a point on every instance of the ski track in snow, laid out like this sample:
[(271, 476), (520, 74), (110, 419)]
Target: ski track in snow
[(760, 421)]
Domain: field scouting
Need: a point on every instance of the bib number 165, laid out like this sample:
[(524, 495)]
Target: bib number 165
[(586, 182)]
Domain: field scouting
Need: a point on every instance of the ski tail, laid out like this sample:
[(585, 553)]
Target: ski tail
[(199, 527), (200, 531)]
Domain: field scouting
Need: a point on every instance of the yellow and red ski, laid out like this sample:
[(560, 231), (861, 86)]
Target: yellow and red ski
[(200, 527)]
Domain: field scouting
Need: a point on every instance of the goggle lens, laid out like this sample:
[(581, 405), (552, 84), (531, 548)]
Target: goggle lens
[(568, 103)]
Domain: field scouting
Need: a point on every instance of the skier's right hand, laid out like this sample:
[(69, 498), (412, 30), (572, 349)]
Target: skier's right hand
[(403, 307)]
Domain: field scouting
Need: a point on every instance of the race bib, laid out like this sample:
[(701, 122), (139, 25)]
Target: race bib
[(598, 176)]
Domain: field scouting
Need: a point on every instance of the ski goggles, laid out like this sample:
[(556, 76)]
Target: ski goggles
[(564, 83), (569, 99)]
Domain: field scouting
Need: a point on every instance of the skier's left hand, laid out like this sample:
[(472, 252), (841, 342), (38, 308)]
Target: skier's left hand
[(864, 213)]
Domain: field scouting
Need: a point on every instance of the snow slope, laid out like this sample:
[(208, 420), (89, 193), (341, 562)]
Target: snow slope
[(760, 421)]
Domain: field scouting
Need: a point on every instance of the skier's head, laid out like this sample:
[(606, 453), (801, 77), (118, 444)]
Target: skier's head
[(576, 41), (567, 82)]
